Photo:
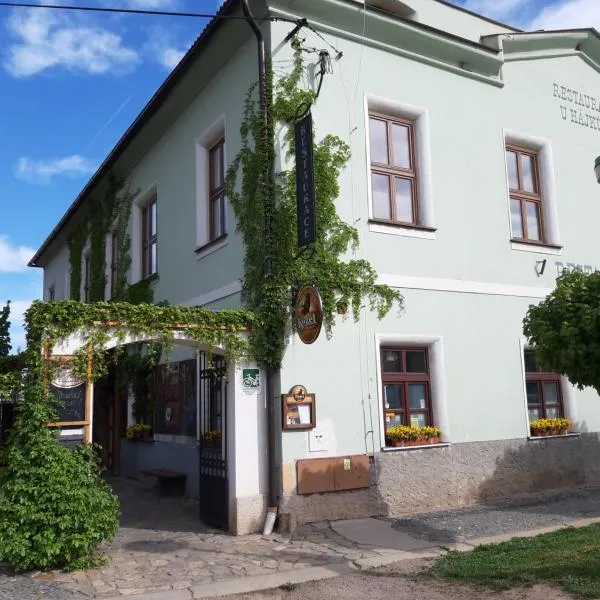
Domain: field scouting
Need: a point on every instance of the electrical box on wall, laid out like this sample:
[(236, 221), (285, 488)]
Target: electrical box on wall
[(318, 475)]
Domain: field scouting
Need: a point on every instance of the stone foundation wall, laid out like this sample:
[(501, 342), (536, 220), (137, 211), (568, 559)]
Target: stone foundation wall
[(411, 481), (248, 515)]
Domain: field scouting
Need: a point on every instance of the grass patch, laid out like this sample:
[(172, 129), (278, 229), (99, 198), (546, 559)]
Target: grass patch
[(288, 587), (569, 558)]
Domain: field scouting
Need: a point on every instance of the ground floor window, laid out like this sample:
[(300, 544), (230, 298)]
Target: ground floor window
[(544, 397), (406, 386)]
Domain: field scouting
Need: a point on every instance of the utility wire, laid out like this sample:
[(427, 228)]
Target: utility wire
[(133, 11)]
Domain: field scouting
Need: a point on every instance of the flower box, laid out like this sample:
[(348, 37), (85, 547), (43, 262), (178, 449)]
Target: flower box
[(548, 427), (403, 436)]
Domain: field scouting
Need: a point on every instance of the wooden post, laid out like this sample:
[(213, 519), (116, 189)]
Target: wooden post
[(89, 391)]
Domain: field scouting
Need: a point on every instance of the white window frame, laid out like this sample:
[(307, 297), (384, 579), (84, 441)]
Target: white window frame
[(543, 147), (420, 118), (139, 203), (437, 377), (566, 387), (203, 145)]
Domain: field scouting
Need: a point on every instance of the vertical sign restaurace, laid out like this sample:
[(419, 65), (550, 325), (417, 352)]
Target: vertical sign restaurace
[(305, 187)]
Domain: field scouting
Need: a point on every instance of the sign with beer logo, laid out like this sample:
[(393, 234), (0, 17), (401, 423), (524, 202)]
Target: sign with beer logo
[(308, 315), (70, 392)]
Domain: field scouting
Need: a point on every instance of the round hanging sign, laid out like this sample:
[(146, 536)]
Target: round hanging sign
[(308, 315)]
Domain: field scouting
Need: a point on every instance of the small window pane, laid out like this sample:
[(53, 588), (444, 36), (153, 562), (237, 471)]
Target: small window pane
[(153, 219), (393, 420), (392, 361), (552, 412), (415, 362), (378, 141), (513, 174), (551, 393), (533, 393), (535, 413), (404, 200), (394, 396), (217, 224), (418, 420), (530, 362), (401, 146), (516, 222), (215, 168), (153, 259), (417, 396), (381, 196), (528, 173), (533, 221)]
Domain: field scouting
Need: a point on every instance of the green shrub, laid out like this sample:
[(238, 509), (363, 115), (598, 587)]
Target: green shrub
[(54, 507)]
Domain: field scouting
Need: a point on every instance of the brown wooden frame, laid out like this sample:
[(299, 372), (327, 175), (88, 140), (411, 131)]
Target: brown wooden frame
[(113, 263), (216, 196), (289, 402), (149, 239), (87, 279), (392, 171), (404, 378), (522, 196), (540, 377)]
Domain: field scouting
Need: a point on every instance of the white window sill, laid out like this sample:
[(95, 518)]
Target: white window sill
[(209, 249), (536, 249), (423, 234), (539, 438), (409, 448)]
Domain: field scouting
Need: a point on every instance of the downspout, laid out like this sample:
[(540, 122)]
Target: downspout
[(272, 415)]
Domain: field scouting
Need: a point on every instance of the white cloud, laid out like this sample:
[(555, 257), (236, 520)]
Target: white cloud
[(13, 258), (496, 9), (17, 324), (152, 4), (170, 57), (42, 171), (569, 14), (46, 39)]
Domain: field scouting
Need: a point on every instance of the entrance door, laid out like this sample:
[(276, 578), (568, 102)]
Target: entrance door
[(214, 484)]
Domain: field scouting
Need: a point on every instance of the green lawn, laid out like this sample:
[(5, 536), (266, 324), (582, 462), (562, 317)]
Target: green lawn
[(569, 558)]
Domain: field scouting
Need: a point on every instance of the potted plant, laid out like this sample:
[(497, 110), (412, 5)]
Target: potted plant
[(404, 435), (139, 432), (546, 427), (213, 439)]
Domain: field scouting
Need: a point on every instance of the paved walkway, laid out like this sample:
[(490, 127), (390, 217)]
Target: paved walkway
[(163, 552)]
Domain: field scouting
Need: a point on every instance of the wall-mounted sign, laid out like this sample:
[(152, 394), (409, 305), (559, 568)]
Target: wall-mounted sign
[(577, 107), (308, 314), (306, 216), (251, 379), (298, 409), (70, 392)]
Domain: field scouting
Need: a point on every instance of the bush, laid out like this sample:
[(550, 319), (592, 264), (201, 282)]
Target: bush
[(54, 507)]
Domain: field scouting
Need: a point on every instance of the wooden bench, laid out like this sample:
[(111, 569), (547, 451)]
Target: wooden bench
[(170, 483)]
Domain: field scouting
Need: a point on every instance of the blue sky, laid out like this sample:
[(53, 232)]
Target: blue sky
[(72, 82)]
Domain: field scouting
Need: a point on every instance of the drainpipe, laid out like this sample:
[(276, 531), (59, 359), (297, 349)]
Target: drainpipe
[(272, 415)]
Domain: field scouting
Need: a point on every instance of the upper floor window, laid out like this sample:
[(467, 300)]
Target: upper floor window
[(113, 263), (216, 201), (149, 238), (406, 387), (393, 170), (544, 397), (52, 293), (87, 279), (526, 210)]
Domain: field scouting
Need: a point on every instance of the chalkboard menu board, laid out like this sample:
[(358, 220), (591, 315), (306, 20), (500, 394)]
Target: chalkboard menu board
[(71, 402)]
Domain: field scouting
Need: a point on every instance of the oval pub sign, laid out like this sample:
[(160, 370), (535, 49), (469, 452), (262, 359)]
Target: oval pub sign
[(308, 314)]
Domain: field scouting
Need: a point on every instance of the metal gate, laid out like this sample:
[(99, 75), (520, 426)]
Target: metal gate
[(214, 484)]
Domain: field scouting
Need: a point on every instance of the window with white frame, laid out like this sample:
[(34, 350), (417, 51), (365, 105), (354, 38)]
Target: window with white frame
[(211, 200), (531, 191), (149, 237), (399, 164)]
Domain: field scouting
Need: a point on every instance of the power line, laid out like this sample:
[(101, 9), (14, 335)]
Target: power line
[(133, 11)]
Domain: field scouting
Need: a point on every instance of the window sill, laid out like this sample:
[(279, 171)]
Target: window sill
[(416, 231), (538, 247), (211, 247), (409, 448), (539, 438)]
